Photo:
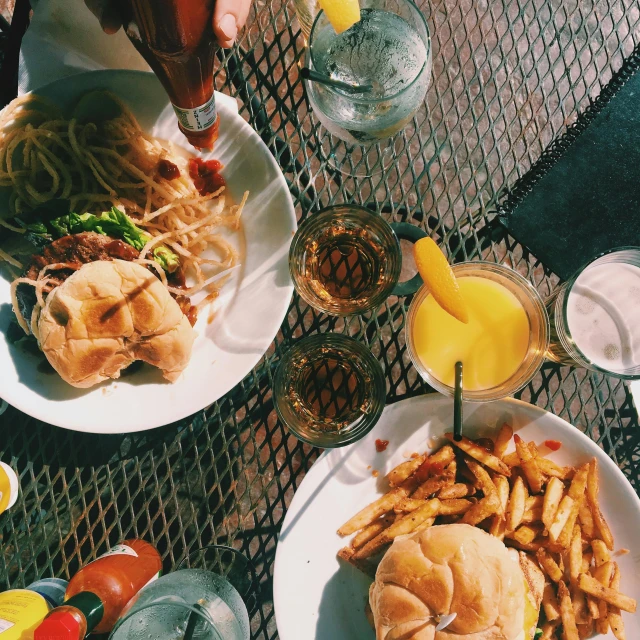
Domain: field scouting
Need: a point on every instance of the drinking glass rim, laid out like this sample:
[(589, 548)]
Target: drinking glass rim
[(385, 98), (569, 286)]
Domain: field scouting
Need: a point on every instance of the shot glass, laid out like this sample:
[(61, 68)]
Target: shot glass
[(512, 347), (329, 390), (346, 260), (595, 316)]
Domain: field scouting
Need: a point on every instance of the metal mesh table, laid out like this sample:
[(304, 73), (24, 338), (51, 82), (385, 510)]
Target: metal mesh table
[(509, 78)]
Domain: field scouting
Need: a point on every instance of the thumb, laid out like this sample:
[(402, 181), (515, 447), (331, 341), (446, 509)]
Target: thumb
[(229, 17)]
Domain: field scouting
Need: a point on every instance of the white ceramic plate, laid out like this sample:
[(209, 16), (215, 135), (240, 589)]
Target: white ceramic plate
[(247, 314), (316, 597)]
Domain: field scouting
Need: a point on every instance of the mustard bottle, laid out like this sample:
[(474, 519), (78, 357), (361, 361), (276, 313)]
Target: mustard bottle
[(21, 611)]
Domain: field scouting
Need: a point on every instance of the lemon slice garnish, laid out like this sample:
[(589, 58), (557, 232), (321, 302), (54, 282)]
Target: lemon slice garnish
[(342, 14), (439, 278)]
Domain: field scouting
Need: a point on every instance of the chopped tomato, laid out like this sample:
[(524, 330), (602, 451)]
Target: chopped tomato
[(381, 445), (554, 445), (206, 175), (168, 170)]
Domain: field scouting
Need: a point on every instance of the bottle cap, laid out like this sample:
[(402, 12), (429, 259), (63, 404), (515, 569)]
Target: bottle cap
[(60, 625)]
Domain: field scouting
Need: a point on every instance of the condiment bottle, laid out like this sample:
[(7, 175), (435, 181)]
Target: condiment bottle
[(20, 612), (176, 38), (9, 487), (98, 593)]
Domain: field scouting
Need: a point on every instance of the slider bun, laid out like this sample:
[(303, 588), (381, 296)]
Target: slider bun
[(108, 314), (446, 569)]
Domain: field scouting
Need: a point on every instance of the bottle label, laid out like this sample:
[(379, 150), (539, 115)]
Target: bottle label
[(118, 550), (200, 118), (5, 624)]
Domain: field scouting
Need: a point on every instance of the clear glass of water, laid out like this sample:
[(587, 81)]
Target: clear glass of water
[(389, 49), (192, 604)]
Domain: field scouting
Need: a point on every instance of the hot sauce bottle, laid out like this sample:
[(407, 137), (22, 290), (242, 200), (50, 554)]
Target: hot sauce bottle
[(99, 592), (176, 38)]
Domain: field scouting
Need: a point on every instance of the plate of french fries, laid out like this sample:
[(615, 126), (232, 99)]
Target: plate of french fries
[(520, 473)]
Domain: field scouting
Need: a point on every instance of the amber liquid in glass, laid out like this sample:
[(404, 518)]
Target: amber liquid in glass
[(345, 267), (329, 389)]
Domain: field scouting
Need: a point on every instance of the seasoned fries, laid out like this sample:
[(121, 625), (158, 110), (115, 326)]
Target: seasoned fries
[(523, 498), (611, 596), (502, 440), (480, 454)]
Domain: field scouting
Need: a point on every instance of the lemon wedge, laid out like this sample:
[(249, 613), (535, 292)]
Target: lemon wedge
[(439, 278), (342, 14)]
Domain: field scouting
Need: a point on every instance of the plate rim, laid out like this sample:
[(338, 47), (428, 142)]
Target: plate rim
[(279, 603), (78, 424)]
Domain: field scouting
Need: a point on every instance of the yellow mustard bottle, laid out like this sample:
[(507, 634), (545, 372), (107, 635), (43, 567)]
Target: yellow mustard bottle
[(21, 611)]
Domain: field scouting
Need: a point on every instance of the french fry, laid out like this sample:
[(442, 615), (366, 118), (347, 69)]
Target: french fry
[(586, 521), (482, 510), (593, 488), (585, 630), (550, 468), (442, 457), (483, 478), (407, 505), (594, 608), (532, 515), (516, 505), (611, 596), (371, 531), (564, 539), (437, 482), (600, 552), (401, 527), (561, 517), (603, 575), (454, 507), (502, 440), (529, 465), (587, 557), (458, 490), (480, 454), (425, 525), (566, 613), (347, 554), (533, 509), (498, 524), (579, 483), (549, 565), (550, 602), (615, 618), (575, 555), (399, 474), (525, 534), (580, 610), (378, 508), (532, 547), (549, 630), (552, 498)]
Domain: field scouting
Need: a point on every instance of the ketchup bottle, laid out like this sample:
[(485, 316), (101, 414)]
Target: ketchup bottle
[(176, 38), (99, 592)]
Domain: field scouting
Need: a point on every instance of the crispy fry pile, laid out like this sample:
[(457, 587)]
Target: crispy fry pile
[(523, 498)]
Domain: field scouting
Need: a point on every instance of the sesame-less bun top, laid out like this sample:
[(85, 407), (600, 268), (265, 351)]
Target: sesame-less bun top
[(445, 569), (108, 314)]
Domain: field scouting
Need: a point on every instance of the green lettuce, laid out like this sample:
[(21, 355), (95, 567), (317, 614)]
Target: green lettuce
[(113, 223)]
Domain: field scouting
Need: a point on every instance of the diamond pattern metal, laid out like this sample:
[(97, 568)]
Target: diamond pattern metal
[(509, 77)]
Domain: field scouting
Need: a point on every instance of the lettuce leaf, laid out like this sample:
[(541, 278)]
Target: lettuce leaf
[(42, 228)]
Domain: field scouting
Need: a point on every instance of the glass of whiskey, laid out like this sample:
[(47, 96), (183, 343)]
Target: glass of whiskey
[(329, 390), (346, 260)]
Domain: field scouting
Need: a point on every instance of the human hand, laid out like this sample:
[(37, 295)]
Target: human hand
[(229, 16)]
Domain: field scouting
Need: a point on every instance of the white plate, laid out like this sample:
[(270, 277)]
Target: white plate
[(248, 314), (316, 597)]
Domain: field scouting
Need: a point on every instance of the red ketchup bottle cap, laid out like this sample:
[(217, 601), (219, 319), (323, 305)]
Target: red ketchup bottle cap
[(58, 626)]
